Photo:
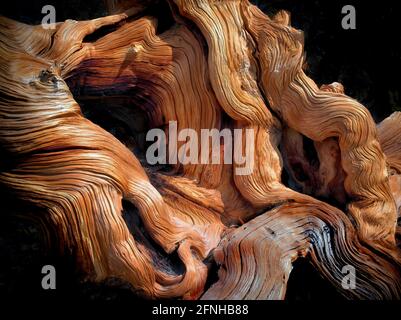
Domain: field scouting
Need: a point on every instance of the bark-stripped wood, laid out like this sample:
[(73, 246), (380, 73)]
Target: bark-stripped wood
[(220, 65)]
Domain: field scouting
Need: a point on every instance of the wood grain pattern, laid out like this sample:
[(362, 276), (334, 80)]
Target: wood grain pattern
[(219, 65)]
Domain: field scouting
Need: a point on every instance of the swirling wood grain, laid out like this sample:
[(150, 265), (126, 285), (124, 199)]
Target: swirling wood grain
[(219, 65)]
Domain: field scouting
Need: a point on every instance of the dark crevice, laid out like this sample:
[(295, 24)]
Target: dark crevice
[(100, 33), (165, 19), (310, 152), (121, 117), (213, 274), (168, 263), (306, 284)]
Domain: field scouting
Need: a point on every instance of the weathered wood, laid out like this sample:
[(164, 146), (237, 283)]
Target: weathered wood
[(220, 65)]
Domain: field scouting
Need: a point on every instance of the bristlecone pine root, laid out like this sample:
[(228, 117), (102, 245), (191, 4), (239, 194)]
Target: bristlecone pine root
[(218, 64)]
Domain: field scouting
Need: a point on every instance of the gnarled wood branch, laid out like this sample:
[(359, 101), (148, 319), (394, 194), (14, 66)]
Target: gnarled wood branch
[(219, 65)]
